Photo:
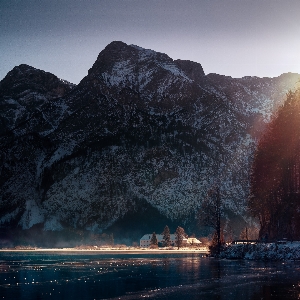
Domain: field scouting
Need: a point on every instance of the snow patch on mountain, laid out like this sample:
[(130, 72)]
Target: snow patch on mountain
[(32, 215)]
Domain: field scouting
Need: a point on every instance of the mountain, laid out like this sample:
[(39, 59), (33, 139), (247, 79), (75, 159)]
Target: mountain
[(136, 145)]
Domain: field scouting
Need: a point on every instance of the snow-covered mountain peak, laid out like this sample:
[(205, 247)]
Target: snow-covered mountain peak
[(141, 137), (121, 65)]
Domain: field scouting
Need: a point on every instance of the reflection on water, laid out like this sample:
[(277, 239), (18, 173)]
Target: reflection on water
[(25, 275)]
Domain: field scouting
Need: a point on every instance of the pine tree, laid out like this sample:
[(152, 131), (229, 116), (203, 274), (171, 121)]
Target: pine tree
[(166, 237), (153, 241), (275, 174), (179, 236)]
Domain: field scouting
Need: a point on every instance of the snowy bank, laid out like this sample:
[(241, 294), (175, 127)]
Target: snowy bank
[(262, 251)]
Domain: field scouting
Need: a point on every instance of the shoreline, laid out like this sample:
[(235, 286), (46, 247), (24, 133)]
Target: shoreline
[(112, 251)]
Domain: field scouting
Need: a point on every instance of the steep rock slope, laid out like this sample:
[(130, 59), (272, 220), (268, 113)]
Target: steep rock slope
[(140, 133)]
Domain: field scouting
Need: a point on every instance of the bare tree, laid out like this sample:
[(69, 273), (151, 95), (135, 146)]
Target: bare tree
[(249, 233), (210, 214), (244, 234)]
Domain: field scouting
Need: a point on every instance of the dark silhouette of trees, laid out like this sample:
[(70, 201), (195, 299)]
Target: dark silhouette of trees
[(210, 214), (275, 174), (166, 237), (249, 233)]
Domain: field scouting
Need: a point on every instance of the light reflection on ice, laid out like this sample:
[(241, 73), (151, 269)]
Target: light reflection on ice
[(140, 276)]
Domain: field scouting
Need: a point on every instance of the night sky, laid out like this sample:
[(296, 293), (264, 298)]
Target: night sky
[(229, 37)]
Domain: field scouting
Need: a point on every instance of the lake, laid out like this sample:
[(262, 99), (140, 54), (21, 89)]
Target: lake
[(90, 275)]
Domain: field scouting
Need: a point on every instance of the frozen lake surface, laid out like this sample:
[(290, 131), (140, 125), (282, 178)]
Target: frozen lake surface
[(89, 275)]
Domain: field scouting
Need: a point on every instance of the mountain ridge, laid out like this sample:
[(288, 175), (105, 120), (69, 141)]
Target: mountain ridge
[(139, 128)]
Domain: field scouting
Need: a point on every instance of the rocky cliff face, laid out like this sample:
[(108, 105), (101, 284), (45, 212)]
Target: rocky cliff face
[(140, 135)]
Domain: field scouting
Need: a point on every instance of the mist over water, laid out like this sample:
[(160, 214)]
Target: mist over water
[(90, 275)]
